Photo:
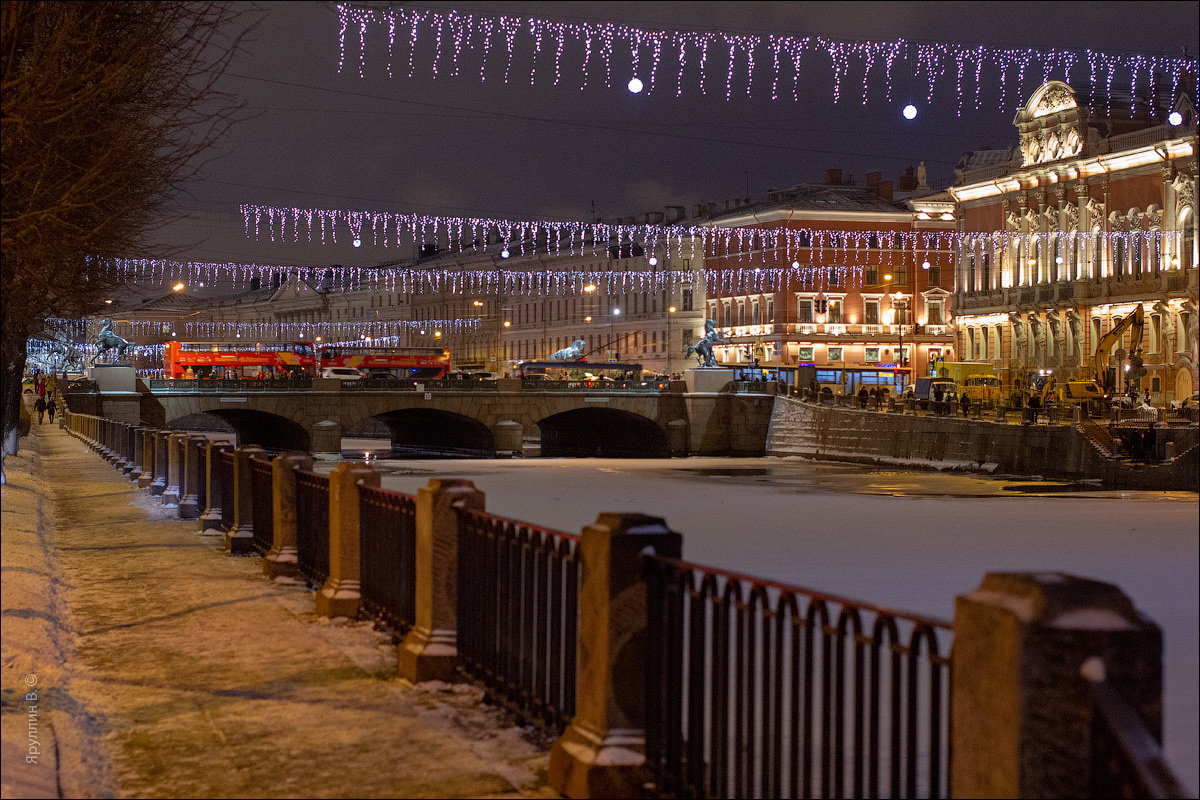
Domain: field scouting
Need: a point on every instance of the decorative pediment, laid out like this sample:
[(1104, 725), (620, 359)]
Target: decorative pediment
[(1051, 98), (1047, 134)]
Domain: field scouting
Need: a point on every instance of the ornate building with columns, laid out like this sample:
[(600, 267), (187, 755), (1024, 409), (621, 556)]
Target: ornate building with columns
[(1091, 214)]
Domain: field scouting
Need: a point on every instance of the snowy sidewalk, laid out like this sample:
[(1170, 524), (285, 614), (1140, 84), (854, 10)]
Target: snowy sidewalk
[(164, 668)]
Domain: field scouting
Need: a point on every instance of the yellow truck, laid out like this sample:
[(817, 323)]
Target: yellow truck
[(975, 379)]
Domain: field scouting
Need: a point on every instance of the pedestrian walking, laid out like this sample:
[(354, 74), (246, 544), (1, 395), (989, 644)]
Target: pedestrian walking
[(965, 402), (40, 407), (51, 407)]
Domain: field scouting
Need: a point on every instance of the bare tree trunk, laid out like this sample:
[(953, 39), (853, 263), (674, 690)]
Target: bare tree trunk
[(12, 352)]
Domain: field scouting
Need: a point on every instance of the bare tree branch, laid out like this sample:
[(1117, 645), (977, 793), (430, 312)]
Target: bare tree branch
[(106, 108)]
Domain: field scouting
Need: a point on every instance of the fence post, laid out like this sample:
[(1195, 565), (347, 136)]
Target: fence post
[(1021, 712), (189, 502), (148, 439), (281, 560), (341, 593), (136, 443), (170, 495), (129, 451), (430, 650), (240, 538), (602, 752), (211, 519)]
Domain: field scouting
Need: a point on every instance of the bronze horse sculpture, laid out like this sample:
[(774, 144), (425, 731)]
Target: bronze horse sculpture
[(703, 349), (107, 340)]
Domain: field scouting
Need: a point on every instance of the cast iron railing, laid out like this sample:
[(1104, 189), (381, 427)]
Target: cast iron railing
[(1127, 759), (596, 385), (223, 385), (757, 689), (312, 526), (262, 493), (518, 614), (388, 556)]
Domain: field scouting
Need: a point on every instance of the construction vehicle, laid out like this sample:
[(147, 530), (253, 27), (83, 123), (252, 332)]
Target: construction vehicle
[(981, 389), (975, 379), (1097, 392), (1135, 321)]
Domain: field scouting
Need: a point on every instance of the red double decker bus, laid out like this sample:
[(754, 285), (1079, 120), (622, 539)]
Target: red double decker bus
[(419, 363), (233, 360)]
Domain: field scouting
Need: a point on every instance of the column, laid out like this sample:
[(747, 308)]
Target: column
[(240, 538), (430, 650), (602, 752), (170, 495), (1022, 716), (341, 594), (281, 560)]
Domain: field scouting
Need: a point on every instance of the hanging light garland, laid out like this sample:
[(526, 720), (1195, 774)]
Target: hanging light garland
[(751, 256), (738, 258), (715, 61)]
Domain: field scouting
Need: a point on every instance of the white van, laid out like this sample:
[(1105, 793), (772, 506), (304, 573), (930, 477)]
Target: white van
[(341, 373)]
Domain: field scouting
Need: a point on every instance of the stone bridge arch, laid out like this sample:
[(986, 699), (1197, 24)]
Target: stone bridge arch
[(437, 430), (602, 432), (273, 432)]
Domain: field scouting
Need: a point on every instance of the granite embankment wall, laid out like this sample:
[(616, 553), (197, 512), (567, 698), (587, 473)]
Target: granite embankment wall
[(1053, 451)]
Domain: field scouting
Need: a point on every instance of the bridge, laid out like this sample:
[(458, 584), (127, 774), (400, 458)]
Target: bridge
[(505, 417)]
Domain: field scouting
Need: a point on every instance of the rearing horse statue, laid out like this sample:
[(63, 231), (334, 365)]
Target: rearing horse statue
[(107, 340), (703, 349)]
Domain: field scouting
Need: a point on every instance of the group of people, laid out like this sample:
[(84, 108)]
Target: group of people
[(874, 396), (45, 402)]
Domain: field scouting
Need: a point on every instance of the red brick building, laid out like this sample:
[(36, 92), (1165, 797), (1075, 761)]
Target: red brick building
[(869, 286)]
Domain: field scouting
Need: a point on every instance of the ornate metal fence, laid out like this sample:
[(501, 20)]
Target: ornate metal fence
[(757, 689), (518, 612), (262, 487), (1127, 758), (388, 556), (312, 526)]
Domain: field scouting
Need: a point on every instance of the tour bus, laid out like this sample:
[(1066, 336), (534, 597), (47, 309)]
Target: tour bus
[(232, 360), (418, 363)]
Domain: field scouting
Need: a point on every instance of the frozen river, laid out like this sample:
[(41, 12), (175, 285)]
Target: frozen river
[(908, 540)]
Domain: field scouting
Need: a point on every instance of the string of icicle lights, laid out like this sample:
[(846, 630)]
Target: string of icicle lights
[(755, 258), (269, 331), (452, 44)]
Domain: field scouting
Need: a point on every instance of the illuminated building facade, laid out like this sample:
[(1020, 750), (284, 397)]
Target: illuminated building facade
[(1090, 215)]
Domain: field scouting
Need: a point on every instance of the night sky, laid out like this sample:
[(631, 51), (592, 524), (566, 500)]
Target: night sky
[(458, 147)]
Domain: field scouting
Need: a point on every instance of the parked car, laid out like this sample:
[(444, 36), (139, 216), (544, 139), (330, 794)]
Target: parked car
[(1192, 402), (341, 373)]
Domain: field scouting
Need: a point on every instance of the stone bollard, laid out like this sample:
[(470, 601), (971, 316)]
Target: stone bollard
[(189, 502), (136, 443), (430, 650), (341, 593), (162, 440), (147, 475), (170, 495), (126, 461), (240, 538), (211, 520), (602, 752), (1021, 712), (281, 560)]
